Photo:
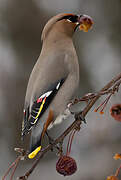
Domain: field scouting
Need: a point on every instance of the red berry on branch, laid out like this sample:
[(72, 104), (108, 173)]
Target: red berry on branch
[(66, 166), (117, 156), (115, 112)]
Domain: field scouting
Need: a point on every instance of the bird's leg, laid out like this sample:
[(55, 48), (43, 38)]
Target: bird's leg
[(80, 117)]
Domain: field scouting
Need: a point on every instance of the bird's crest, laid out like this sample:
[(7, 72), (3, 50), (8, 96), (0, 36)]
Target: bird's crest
[(51, 22)]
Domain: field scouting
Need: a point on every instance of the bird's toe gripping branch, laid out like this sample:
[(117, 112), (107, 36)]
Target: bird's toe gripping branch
[(81, 118)]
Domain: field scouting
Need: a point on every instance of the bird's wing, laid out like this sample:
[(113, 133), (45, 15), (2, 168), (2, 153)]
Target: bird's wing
[(39, 106)]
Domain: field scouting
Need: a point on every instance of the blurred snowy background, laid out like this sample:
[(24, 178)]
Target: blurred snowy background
[(99, 52)]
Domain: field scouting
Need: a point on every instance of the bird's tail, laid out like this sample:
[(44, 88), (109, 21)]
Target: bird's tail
[(37, 135), (35, 146), (36, 139)]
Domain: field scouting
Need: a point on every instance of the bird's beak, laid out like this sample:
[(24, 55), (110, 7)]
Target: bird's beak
[(85, 22)]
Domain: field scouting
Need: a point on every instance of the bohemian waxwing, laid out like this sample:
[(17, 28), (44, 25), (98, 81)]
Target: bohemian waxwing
[(54, 78)]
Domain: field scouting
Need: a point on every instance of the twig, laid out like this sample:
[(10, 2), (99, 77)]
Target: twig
[(14, 165), (115, 82), (117, 171)]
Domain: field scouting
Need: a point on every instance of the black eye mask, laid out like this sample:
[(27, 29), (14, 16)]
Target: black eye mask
[(72, 18)]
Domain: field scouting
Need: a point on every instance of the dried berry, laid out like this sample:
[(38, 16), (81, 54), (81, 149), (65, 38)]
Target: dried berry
[(101, 112), (66, 166), (115, 112), (112, 178), (85, 23)]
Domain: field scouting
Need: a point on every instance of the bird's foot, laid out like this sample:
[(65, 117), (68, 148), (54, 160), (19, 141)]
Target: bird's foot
[(80, 119)]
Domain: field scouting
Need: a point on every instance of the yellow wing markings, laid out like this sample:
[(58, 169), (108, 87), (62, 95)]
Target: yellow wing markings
[(41, 107)]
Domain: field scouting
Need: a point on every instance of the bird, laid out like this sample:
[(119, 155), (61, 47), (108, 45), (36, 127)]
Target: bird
[(54, 78)]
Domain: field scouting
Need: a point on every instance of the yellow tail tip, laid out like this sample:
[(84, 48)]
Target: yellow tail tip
[(34, 153)]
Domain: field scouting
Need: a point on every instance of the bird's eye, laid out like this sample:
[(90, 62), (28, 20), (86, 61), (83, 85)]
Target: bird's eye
[(70, 18), (73, 19)]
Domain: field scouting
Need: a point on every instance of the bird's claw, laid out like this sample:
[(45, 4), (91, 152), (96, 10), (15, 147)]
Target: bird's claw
[(80, 117)]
